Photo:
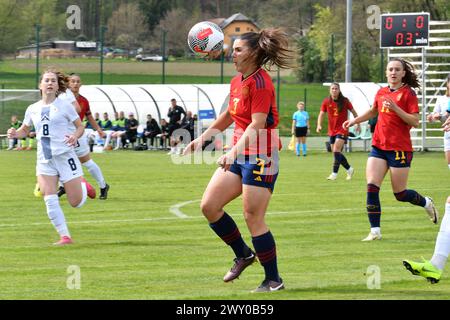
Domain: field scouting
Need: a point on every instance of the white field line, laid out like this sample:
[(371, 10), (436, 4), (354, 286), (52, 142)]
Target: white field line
[(110, 221), (175, 209)]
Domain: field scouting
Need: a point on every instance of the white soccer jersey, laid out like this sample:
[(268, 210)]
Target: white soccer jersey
[(53, 123), (442, 104), (68, 96)]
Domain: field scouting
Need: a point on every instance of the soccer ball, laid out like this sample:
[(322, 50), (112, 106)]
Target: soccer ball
[(205, 37)]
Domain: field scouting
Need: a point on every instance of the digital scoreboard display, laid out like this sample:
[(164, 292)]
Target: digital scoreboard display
[(404, 30)]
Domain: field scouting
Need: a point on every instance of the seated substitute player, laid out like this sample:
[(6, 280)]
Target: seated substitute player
[(250, 167), (56, 159), (398, 110), (15, 123), (119, 129), (151, 130), (107, 126)]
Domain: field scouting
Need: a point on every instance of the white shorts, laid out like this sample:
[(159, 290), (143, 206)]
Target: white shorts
[(66, 166), (446, 141), (82, 148)]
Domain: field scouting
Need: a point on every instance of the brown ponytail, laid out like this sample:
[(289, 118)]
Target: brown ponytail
[(269, 47)]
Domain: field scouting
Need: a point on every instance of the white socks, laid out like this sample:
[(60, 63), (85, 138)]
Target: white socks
[(108, 139), (449, 166), (376, 230), (56, 215), (95, 171), (84, 194), (442, 248), (118, 142)]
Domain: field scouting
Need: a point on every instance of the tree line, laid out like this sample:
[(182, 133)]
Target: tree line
[(317, 27)]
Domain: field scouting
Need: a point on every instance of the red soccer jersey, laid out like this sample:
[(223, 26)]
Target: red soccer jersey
[(254, 94), (84, 105), (391, 132), (336, 118)]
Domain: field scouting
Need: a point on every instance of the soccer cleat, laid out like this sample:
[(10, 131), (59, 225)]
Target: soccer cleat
[(63, 241), (270, 285), (372, 236), (432, 211), (104, 192), (424, 269), (332, 177), (90, 189), (350, 173), (61, 191), (37, 191), (239, 265)]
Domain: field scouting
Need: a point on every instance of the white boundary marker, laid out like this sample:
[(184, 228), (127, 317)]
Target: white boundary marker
[(175, 209)]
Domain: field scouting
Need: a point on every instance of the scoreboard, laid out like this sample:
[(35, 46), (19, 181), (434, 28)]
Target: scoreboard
[(404, 30)]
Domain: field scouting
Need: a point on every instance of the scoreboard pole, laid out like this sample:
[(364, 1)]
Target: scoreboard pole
[(424, 106)]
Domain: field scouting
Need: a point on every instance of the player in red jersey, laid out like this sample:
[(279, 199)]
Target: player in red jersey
[(337, 107), (250, 167), (398, 110), (82, 150)]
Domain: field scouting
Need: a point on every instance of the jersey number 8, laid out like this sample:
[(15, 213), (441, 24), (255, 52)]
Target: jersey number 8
[(45, 130)]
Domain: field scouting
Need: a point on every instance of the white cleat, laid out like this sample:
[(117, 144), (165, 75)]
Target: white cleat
[(332, 177), (350, 173), (431, 210), (372, 236)]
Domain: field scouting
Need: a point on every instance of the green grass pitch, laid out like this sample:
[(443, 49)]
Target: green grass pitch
[(132, 246)]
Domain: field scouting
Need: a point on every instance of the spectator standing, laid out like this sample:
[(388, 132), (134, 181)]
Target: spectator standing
[(174, 114)]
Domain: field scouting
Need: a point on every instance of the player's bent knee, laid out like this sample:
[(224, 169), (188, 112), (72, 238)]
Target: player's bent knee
[(76, 202), (209, 209)]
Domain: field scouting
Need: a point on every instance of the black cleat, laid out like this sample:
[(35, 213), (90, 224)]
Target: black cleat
[(104, 192), (61, 191), (239, 265), (269, 286)]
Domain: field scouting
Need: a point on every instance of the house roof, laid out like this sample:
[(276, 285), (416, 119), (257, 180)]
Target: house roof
[(236, 17), (217, 21)]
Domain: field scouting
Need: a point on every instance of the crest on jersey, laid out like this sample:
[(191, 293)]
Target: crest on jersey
[(45, 114), (245, 91)]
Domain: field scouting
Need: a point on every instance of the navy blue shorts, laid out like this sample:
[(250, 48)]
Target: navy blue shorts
[(338, 136), (395, 159), (260, 171)]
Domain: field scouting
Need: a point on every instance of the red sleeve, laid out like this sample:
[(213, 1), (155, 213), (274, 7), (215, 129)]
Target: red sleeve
[(323, 107), (375, 101), (261, 100), (412, 102), (349, 105), (88, 107)]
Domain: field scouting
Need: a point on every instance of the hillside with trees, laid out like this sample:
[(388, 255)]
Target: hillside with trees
[(133, 24)]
